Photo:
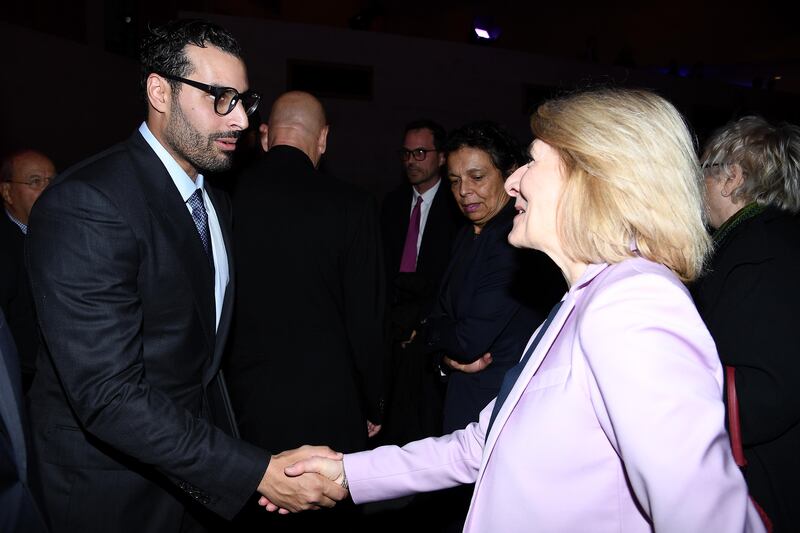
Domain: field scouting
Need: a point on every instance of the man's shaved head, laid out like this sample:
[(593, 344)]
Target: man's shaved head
[(298, 119)]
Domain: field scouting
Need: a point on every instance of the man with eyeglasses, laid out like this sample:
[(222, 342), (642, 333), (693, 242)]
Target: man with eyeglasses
[(129, 256), (419, 221), (24, 174)]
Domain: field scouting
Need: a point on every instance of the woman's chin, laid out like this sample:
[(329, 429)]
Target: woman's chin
[(515, 241)]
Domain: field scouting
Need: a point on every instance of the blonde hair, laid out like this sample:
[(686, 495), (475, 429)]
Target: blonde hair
[(768, 155), (632, 178)]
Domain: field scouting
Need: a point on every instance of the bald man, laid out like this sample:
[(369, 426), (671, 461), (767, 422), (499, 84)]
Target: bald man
[(306, 361), (24, 174)]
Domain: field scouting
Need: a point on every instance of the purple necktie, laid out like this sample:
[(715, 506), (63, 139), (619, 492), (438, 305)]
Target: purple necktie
[(409, 261)]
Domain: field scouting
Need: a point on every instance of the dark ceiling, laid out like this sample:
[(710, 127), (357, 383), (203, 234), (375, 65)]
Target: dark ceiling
[(732, 42)]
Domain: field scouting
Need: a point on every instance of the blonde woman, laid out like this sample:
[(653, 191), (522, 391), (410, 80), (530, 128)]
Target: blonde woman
[(613, 421)]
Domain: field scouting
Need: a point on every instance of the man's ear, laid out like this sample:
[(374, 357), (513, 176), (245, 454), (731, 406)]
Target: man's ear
[(159, 92), (322, 141), (263, 135), (5, 191), (441, 159)]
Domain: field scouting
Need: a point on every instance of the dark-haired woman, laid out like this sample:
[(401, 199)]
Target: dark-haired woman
[(485, 309)]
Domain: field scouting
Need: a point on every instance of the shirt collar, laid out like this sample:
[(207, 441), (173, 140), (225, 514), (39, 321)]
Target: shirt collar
[(183, 182), (21, 225), (427, 196)]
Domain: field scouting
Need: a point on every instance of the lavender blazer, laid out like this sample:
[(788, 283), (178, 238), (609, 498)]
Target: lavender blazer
[(616, 424)]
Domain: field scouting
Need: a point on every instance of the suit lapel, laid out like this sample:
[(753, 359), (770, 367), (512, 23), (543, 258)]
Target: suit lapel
[(433, 225), (399, 225), (538, 355), (484, 245), (170, 212), (444, 293), (223, 216)]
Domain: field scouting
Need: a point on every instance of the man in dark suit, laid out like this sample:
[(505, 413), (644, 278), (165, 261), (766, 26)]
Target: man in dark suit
[(414, 289), (414, 270), (306, 364), (129, 261), (19, 510), (24, 174)]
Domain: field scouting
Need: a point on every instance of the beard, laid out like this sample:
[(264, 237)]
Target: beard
[(198, 149)]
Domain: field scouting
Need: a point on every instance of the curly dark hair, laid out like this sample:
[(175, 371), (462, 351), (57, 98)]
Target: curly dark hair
[(506, 152), (163, 48)]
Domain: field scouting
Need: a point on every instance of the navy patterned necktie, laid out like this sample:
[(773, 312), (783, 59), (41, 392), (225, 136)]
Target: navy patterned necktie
[(200, 217), (514, 372)]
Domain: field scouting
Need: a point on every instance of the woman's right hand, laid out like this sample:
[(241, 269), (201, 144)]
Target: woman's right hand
[(403, 344), (469, 368)]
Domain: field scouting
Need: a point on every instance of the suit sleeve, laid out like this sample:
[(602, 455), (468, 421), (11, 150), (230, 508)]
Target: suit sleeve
[(655, 384), (364, 294), (755, 327), (84, 268), (491, 307)]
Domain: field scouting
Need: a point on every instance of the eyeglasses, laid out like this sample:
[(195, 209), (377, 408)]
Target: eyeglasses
[(418, 153), (36, 183), (225, 98)]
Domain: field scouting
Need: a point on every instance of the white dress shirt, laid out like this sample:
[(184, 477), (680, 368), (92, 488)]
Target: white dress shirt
[(186, 187), (425, 208)]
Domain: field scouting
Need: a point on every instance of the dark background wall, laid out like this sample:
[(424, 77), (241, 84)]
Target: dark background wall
[(72, 97)]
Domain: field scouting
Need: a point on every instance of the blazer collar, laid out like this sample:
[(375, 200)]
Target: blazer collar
[(538, 355), (169, 210), (498, 223), (227, 303)]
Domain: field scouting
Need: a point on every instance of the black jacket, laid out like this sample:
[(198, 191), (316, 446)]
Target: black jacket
[(19, 509), (15, 296), (492, 298), (411, 296), (124, 398), (748, 298), (306, 363)]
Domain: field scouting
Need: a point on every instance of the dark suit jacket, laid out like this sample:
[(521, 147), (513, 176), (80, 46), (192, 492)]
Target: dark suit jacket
[(412, 295), (19, 510), (748, 299), (15, 296), (122, 402), (492, 296), (306, 364)]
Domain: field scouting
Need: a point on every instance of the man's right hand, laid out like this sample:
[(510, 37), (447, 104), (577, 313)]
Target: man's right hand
[(293, 494)]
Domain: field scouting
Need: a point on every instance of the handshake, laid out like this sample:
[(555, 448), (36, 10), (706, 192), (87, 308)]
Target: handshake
[(306, 478)]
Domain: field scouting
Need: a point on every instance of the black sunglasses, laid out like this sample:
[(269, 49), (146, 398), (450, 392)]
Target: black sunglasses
[(225, 98)]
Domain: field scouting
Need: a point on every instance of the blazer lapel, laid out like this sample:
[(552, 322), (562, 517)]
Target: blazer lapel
[(535, 361), (444, 294), (223, 216), (169, 210), (433, 226)]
